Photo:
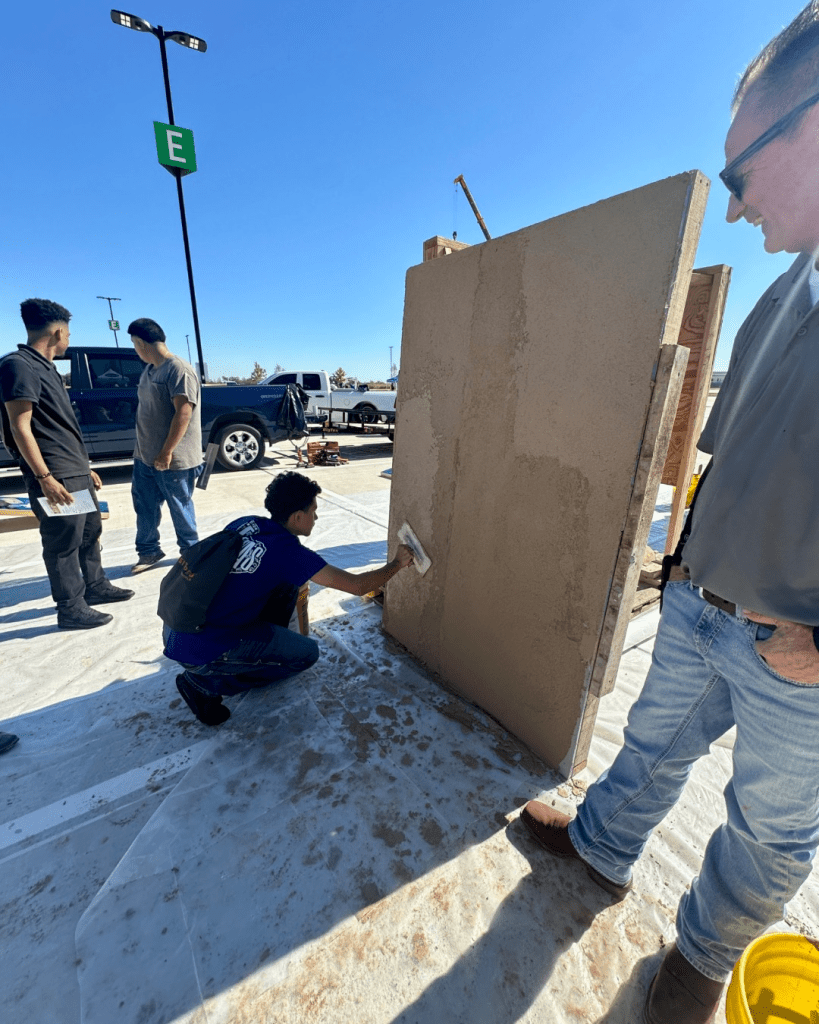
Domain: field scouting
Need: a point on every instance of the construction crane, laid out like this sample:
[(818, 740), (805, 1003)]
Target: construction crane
[(460, 181)]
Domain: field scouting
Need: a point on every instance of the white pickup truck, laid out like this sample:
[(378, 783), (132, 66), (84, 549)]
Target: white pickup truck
[(356, 404)]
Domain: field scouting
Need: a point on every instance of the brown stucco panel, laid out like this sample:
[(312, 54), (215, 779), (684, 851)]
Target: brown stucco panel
[(526, 379)]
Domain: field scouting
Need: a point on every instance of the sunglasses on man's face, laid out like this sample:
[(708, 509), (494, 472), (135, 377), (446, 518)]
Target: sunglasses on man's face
[(731, 177)]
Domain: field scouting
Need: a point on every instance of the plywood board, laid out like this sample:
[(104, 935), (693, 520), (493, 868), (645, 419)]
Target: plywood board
[(528, 366), (699, 333), (653, 453), (438, 246)]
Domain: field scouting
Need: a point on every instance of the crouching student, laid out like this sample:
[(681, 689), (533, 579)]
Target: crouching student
[(245, 641)]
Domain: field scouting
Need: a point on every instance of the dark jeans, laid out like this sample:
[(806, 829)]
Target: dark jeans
[(71, 545), (253, 663)]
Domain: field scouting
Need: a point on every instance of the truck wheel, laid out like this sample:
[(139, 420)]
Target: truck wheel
[(240, 447), (367, 413)]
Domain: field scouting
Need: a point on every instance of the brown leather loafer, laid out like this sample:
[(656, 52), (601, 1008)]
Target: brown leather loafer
[(679, 993), (552, 833)]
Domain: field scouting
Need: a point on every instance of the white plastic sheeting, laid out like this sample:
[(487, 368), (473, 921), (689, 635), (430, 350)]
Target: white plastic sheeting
[(340, 849)]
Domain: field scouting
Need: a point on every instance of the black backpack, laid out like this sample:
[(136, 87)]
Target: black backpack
[(189, 588)]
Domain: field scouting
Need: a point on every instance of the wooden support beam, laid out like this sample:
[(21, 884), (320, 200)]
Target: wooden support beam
[(699, 333), (665, 396)]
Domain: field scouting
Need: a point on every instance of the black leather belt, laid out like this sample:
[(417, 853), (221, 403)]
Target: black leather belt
[(679, 573), (718, 602)]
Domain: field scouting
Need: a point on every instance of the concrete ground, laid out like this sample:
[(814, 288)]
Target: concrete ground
[(345, 848)]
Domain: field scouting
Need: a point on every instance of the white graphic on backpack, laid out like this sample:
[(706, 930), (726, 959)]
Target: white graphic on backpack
[(250, 557)]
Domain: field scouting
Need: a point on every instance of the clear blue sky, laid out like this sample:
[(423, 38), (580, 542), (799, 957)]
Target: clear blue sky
[(327, 138)]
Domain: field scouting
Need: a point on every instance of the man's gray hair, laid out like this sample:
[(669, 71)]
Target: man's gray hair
[(787, 69)]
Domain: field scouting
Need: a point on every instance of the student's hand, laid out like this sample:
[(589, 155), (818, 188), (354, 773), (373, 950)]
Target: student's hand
[(162, 462), (95, 480), (403, 556), (54, 492), (791, 651)]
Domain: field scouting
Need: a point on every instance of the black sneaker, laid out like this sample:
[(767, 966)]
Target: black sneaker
[(82, 618), (208, 710), (147, 562), (7, 741), (105, 593)]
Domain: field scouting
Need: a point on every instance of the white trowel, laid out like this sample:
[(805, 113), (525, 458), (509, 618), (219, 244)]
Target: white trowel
[(420, 558)]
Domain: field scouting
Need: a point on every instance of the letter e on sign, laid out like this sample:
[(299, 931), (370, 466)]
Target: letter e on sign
[(174, 148)]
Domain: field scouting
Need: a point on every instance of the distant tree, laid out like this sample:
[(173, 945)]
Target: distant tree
[(338, 378), (259, 373), (278, 368)]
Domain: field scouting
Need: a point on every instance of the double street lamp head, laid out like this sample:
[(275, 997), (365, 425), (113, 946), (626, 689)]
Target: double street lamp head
[(131, 21), (141, 25), (185, 40)]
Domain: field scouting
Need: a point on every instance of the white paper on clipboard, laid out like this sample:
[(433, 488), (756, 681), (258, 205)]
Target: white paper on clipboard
[(83, 502)]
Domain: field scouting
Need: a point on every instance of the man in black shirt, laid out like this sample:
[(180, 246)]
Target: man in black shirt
[(41, 432)]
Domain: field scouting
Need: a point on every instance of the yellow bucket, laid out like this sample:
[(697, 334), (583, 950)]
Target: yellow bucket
[(692, 487), (775, 980)]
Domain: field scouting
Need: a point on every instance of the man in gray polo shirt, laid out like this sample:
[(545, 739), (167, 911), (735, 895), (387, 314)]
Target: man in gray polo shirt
[(168, 451), (737, 639)]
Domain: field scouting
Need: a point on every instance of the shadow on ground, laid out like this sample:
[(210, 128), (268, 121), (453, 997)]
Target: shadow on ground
[(504, 972)]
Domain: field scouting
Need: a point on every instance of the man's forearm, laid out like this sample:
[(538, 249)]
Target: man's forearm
[(362, 582), (377, 578), (29, 449), (176, 431)]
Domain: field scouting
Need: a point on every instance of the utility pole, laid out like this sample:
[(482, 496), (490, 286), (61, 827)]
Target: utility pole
[(112, 321), (189, 348), (392, 372)]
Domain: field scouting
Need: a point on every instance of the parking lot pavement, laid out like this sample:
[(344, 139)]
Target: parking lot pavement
[(369, 455)]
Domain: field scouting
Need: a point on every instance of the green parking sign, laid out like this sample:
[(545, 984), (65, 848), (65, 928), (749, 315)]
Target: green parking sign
[(174, 147), (113, 325)]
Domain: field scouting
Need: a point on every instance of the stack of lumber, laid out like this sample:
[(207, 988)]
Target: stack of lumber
[(648, 586)]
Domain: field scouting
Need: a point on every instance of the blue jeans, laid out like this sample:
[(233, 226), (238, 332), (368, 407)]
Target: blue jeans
[(149, 488), (252, 663), (705, 677)]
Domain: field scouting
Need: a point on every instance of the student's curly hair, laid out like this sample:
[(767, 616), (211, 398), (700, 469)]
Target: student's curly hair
[(39, 313), (288, 493), (146, 330)]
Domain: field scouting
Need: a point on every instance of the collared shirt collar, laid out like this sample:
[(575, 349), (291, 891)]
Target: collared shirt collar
[(29, 350), (793, 288)]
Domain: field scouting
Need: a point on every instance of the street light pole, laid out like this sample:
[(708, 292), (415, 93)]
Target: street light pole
[(132, 21), (111, 299), (160, 34)]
